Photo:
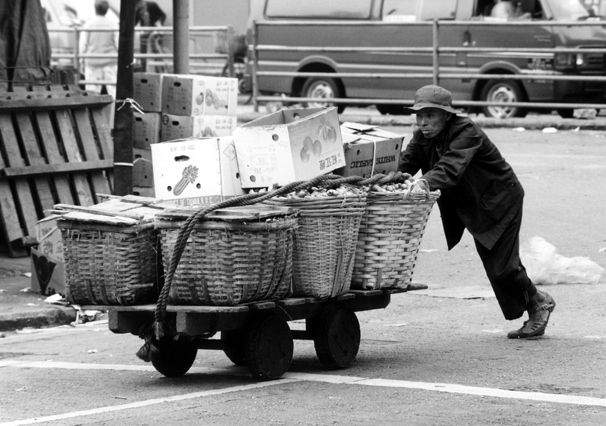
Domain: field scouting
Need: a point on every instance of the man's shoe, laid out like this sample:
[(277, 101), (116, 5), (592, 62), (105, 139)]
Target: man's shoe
[(537, 323)]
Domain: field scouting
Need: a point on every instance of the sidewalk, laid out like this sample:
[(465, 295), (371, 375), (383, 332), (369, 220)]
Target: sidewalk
[(369, 115), (20, 308)]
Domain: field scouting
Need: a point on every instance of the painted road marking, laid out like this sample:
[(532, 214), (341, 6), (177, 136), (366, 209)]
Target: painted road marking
[(288, 378), (146, 403), (116, 367)]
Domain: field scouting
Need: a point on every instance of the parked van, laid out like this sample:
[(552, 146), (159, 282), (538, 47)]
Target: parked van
[(395, 23)]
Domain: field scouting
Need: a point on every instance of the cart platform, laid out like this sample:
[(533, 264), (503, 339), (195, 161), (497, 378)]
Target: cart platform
[(254, 334)]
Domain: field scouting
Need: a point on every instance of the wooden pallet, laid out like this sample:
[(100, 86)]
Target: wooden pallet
[(56, 147)]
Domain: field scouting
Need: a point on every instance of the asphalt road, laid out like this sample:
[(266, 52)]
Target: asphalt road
[(435, 357)]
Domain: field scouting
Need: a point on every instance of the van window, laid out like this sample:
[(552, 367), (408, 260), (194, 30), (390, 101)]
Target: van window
[(571, 10), (333, 9), (484, 8), (445, 9), (399, 10)]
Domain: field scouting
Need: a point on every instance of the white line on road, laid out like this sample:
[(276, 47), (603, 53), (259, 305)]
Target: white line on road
[(116, 367), (146, 403), (288, 378)]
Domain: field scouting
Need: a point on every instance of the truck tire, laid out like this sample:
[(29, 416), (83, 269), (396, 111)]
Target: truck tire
[(385, 109), (503, 91), (322, 87), (566, 112)]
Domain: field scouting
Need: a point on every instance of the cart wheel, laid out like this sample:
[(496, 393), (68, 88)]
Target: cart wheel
[(173, 358), (234, 346), (269, 348), (336, 334)]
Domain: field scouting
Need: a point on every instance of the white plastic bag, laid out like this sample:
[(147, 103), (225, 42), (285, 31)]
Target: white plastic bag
[(545, 266)]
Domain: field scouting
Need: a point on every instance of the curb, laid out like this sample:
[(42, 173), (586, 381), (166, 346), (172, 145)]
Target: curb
[(21, 309), (51, 317)]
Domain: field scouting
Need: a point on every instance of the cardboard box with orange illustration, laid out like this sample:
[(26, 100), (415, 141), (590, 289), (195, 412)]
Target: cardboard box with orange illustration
[(289, 145), (199, 95)]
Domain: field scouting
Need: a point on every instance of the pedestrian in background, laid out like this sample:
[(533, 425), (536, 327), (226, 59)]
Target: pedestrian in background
[(479, 192), (149, 14), (106, 42), (504, 9)]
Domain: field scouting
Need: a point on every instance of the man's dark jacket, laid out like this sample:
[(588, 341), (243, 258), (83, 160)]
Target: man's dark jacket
[(479, 190)]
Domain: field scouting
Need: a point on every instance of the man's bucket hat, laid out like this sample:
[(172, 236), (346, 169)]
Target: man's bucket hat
[(433, 97)]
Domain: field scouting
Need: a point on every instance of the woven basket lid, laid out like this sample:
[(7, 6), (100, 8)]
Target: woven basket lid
[(253, 212)]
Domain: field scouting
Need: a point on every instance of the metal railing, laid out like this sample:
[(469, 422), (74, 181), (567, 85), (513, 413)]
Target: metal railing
[(201, 63), (436, 74)]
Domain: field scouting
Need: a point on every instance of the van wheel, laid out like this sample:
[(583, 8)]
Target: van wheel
[(566, 112), (503, 91), (391, 109), (322, 87)]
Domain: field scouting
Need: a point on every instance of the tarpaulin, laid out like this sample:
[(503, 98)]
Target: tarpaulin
[(24, 43)]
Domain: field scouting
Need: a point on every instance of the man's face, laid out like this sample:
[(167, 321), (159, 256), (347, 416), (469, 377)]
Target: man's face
[(432, 121)]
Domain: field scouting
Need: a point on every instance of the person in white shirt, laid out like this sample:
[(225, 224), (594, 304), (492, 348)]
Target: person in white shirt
[(105, 42), (504, 9)]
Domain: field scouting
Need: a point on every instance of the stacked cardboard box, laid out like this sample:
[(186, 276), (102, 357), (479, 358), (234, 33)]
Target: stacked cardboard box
[(198, 106), (147, 92), (196, 162), (196, 171), (289, 145), (369, 150)]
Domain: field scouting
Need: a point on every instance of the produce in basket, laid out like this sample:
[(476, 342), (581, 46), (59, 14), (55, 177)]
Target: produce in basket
[(403, 188), (316, 192)]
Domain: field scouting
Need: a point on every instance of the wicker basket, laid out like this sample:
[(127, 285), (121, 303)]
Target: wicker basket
[(388, 242), (110, 264), (226, 263), (325, 243)]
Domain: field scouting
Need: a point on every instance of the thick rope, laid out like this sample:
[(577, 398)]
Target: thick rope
[(378, 179), (189, 224), (339, 180)]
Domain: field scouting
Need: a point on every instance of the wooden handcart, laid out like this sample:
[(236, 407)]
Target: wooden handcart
[(255, 334), (253, 331)]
